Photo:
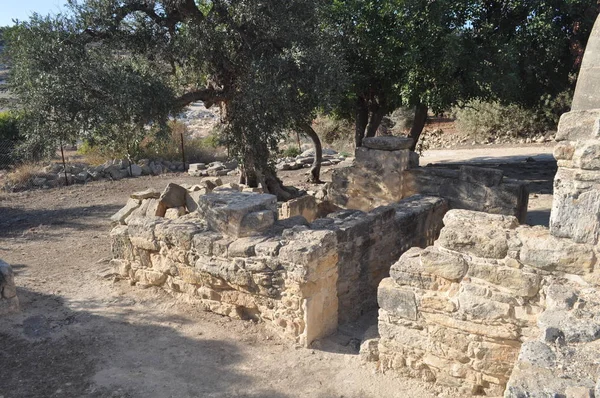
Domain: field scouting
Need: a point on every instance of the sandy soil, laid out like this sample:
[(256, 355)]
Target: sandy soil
[(80, 334)]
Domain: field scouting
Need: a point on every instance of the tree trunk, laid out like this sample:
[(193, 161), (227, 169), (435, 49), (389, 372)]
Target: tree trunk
[(361, 120), (375, 122), (315, 171), (418, 124), (62, 154)]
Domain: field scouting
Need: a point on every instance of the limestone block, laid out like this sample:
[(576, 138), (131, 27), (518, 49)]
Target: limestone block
[(578, 125), (192, 198), (141, 232), (587, 156), (120, 216), (478, 240), (244, 247), (407, 271), (482, 308), (238, 214), (173, 196), (449, 266), (457, 218), (267, 248), (575, 212), (480, 175), (522, 283), (387, 143), (544, 251), (537, 353), (211, 182), (175, 212), (120, 245), (305, 206), (564, 151), (560, 297), (570, 326), (149, 193), (502, 332), (202, 243), (397, 300)]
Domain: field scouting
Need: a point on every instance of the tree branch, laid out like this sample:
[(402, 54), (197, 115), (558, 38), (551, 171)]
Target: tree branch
[(208, 96)]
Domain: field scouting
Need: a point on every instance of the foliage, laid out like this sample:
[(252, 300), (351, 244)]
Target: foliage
[(487, 119), (530, 49), (332, 129), (115, 68), (291, 152)]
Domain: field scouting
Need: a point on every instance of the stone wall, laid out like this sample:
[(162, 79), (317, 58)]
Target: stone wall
[(369, 243), (227, 250), (457, 313), (384, 172), (470, 188), (8, 293)]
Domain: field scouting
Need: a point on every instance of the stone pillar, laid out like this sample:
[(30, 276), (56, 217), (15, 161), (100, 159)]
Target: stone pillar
[(8, 292), (576, 205)]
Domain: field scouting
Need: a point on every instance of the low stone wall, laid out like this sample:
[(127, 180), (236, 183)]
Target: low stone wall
[(369, 243), (384, 172), (8, 292), (470, 188), (457, 313), (226, 250)]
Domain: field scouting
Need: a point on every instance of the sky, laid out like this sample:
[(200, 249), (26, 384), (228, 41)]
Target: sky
[(22, 9)]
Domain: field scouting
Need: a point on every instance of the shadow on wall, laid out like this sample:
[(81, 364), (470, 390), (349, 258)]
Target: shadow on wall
[(15, 221), (79, 354)]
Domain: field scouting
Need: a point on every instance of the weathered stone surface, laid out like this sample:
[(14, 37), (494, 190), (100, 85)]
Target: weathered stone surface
[(544, 251), (387, 143), (523, 284), (569, 326), (149, 193), (480, 241), (466, 218), (578, 125), (120, 216), (173, 196), (305, 206), (9, 302), (449, 266), (575, 209), (560, 297), (480, 175), (396, 300), (238, 214), (192, 199), (537, 353)]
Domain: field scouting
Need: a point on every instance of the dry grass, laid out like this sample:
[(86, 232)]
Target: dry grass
[(20, 176)]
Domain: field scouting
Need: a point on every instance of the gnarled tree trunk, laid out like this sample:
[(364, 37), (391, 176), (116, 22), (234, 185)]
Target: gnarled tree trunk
[(418, 124), (375, 121), (361, 121), (315, 171)]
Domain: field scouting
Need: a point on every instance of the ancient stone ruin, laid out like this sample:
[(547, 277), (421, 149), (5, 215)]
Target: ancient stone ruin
[(8, 293), (468, 298)]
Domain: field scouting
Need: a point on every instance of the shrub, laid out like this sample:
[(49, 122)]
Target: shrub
[(291, 152), (9, 138), (484, 119)]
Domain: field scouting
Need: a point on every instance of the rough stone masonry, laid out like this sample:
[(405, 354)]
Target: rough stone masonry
[(497, 308), (227, 250)]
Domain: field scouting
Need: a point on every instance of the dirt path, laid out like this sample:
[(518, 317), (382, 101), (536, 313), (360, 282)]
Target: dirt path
[(82, 335)]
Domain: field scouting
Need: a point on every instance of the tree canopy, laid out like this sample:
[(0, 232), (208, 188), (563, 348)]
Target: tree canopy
[(110, 65)]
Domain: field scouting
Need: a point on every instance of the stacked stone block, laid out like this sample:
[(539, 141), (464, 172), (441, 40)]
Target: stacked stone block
[(456, 313), (386, 171)]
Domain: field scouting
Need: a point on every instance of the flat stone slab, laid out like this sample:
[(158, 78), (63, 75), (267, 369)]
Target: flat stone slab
[(388, 143), (238, 214)]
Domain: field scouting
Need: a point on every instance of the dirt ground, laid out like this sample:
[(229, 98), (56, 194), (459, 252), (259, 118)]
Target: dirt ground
[(80, 334)]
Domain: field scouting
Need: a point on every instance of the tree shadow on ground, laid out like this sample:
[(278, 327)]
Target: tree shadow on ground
[(51, 350), (15, 222)]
